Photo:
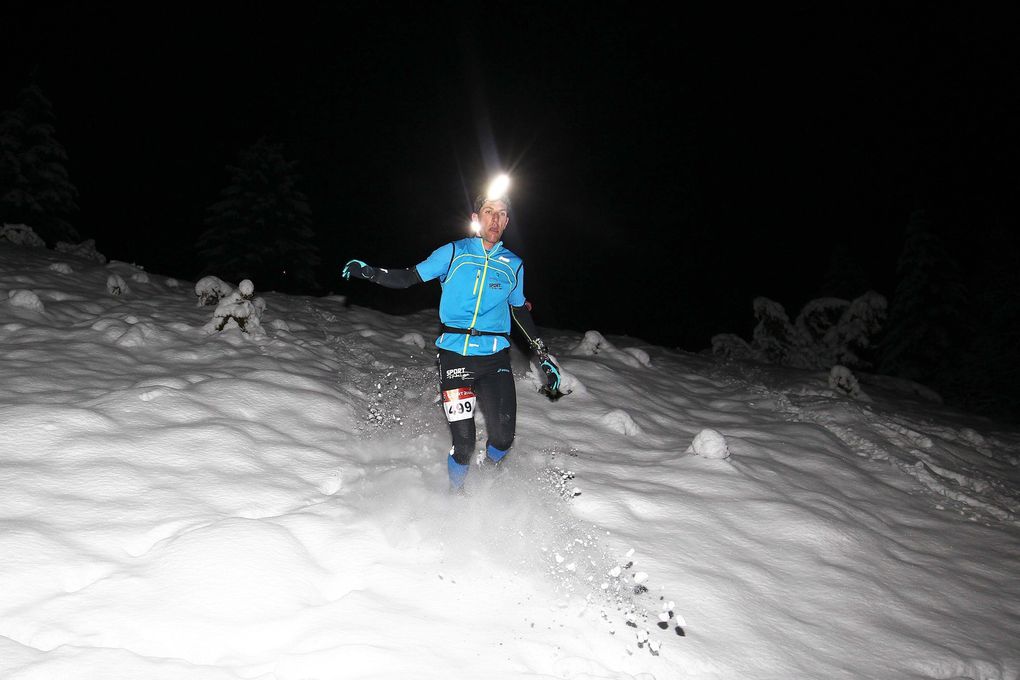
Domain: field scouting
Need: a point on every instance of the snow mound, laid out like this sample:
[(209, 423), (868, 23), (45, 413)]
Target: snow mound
[(143, 334), (709, 444), (620, 421), (415, 339), (639, 354), (26, 299), (116, 285)]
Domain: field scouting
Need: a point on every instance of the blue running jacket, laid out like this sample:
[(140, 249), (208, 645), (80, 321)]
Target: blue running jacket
[(479, 286)]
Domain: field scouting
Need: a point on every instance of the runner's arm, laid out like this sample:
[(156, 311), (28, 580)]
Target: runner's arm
[(522, 317), (388, 278), (397, 278)]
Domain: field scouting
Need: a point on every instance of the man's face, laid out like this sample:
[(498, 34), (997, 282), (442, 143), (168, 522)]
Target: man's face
[(493, 217)]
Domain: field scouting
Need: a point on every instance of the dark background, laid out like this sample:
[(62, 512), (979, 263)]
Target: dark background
[(668, 165)]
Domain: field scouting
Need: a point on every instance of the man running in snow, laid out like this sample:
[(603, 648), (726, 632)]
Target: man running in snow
[(482, 290)]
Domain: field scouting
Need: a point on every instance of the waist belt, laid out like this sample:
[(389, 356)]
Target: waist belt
[(471, 331)]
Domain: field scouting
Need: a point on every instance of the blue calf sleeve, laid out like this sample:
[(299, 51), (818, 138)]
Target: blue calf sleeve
[(457, 472)]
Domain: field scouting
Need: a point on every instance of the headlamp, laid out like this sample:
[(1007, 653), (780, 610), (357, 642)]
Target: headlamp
[(498, 188)]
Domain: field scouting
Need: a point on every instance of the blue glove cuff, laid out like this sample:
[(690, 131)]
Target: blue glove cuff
[(346, 274)]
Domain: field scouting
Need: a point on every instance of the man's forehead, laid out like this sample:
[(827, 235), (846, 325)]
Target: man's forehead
[(495, 204)]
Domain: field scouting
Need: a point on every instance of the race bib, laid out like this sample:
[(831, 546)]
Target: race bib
[(459, 403)]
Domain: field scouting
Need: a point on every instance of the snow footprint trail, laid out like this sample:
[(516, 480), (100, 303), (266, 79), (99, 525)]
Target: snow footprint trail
[(974, 474), (545, 538), (513, 539), (956, 470), (944, 461)]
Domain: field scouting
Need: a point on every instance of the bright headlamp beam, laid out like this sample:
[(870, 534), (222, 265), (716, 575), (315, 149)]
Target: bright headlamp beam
[(498, 187)]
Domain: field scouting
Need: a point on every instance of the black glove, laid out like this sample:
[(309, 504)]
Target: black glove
[(358, 270)]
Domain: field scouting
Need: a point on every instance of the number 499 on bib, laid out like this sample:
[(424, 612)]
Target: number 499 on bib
[(459, 403)]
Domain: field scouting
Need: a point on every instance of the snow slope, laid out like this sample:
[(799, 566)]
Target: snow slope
[(180, 503)]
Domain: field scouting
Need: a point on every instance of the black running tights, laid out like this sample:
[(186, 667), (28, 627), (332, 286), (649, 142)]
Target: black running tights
[(489, 379)]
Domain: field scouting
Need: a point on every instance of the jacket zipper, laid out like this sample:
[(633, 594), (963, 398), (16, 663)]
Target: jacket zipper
[(478, 302)]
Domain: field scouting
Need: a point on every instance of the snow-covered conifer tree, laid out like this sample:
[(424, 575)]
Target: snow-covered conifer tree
[(927, 306), (828, 331), (12, 181), (986, 377), (261, 227), (852, 338), (844, 276), (834, 331), (775, 340), (34, 185)]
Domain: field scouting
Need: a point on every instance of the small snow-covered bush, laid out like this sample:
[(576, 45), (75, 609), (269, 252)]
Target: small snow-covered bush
[(140, 277), (731, 346), (116, 285), (172, 283), (594, 343), (843, 380), (26, 299), (85, 249), (828, 331), (61, 268), (210, 289), (239, 309), (21, 235)]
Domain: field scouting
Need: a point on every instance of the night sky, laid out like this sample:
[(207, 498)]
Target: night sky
[(667, 169)]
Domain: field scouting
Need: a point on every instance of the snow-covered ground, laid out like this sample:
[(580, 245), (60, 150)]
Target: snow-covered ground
[(183, 503)]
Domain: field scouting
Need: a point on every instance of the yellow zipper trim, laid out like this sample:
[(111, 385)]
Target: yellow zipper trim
[(478, 302)]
